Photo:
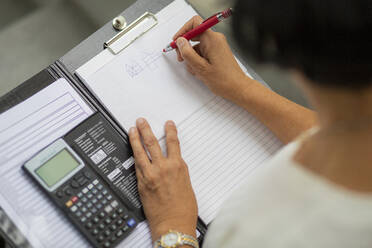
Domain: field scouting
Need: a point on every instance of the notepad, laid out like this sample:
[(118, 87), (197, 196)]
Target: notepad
[(221, 143), (24, 130), (143, 82)]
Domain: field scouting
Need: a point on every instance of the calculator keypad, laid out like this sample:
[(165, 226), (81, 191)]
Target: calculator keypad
[(99, 212)]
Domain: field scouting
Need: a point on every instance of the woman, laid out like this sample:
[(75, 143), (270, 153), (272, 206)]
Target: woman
[(317, 191)]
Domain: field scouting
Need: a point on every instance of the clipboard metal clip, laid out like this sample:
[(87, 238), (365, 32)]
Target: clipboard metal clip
[(131, 33)]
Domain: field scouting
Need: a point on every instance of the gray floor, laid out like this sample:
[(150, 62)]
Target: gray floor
[(35, 33)]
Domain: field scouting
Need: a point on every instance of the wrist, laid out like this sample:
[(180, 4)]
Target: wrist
[(244, 90), (160, 229)]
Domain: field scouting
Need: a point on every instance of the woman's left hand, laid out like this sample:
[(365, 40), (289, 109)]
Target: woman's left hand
[(163, 182)]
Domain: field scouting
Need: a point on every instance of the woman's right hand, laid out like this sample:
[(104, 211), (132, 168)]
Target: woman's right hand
[(211, 61)]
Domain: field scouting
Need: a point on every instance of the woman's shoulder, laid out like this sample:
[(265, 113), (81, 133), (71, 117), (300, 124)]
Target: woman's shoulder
[(283, 204)]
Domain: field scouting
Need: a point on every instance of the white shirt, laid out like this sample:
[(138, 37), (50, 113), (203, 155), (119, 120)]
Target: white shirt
[(284, 205)]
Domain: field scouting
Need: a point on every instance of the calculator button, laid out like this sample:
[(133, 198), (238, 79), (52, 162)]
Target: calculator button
[(73, 209), (94, 200), (99, 206), (78, 214), (104, 201), (84, 199), (107, 244), (80, 195), (104, 192), (89, 205), (74, 184), (94, 191), (83, 219), (101, 226), (120, 211), (99, 186), (120, 222), (85, 190), (79, 204), (126, 216), (69, 204), (95, 182), (84, 209), (125, 228), (59, 194), (99, 197), (90, 186), (113, 239), (100, 238), (68, 192), (114, 204), (95, 220), (89, 214), (93, 210), (101, 214), (109, 197), (119, 233), (95, 231), (108, 209), (77, 176), (89, 195), (82, 181), (87, 175), (89, 225), (131, 222), (107, 233), (114, 216), (74, 199), (107, 221), (113, 227)]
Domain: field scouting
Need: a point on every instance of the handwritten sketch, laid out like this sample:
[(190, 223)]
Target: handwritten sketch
[(150, 58), (133, 69), (144, 60)]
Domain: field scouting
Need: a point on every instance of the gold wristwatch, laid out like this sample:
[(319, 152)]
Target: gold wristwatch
[(174, 239)]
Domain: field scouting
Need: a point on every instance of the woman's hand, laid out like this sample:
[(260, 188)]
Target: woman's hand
[(211, 61), (164, 183)]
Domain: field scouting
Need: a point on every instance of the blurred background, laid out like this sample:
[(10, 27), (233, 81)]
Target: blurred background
[(35, 33)]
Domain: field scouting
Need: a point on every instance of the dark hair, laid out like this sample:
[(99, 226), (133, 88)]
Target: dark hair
[(330, 41)]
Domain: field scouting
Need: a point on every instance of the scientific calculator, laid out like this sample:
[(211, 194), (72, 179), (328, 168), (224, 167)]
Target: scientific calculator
[(81, 194)]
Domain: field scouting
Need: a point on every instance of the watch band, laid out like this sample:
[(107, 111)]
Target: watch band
[(183, 239)]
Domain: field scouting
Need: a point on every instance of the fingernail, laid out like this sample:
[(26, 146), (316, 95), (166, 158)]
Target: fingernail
[(140, 121), (180, 42), (132, 130), (170, 123)]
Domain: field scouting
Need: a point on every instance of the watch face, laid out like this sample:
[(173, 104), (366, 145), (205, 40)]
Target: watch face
[(170, 239)]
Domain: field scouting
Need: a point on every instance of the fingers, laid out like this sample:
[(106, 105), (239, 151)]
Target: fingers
[(179, 56), (190, 55), (192, 23), (149, 139), (139, 152), (173, 144), (190, 70)]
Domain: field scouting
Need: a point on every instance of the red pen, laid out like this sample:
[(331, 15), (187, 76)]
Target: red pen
[(205, 25)]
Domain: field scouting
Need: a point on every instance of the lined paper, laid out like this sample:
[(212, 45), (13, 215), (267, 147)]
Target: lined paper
[(24, 130), (222, 144)]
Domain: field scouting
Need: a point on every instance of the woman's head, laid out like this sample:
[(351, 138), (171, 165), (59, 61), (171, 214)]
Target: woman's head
[(330, 41)]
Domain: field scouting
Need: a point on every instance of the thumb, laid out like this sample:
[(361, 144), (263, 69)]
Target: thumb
[(188, 53)]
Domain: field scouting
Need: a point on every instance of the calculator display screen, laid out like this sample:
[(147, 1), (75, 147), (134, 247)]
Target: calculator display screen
[(57, 167)]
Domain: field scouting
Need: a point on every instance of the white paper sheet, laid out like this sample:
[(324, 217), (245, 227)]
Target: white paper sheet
[(142, 81), (24, 130), (221, 143)]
